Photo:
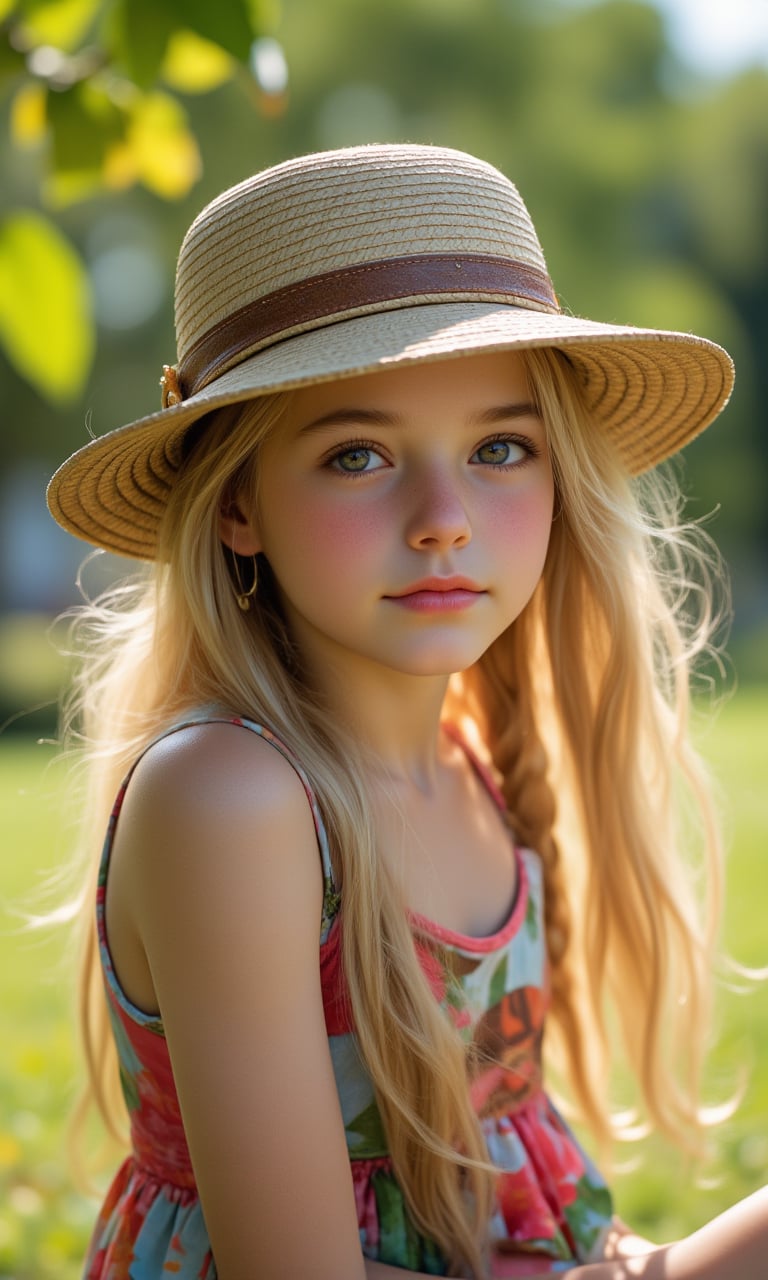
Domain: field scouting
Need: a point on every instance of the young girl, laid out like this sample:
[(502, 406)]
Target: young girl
[(400, 707)]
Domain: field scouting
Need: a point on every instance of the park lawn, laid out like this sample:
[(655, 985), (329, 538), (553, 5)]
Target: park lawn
[(44, 1222), (664, 1195)]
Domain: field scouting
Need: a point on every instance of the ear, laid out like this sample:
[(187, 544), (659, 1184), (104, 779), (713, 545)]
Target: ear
[(237, 530)]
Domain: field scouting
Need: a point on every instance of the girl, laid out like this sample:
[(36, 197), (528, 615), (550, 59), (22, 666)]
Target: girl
[(401, 709)]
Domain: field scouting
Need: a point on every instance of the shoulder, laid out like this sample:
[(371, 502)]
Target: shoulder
[(215, 814), (218, 765)]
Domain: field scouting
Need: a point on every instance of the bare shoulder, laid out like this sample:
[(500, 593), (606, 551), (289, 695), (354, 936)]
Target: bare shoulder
[(220, 765), (214, 789), (216, 831), (215, 827)]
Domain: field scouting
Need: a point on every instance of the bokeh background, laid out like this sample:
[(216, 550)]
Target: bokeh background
[(637, 131)]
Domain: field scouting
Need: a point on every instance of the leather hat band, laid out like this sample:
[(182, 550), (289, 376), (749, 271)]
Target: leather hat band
[(335, 294)]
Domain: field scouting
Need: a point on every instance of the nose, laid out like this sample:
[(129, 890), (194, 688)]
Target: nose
[(439, 519)]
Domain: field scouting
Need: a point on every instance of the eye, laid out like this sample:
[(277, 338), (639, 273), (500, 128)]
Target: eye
[(502, 451), (356, 459)]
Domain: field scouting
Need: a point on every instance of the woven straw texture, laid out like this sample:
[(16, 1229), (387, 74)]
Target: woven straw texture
[(337, 212)]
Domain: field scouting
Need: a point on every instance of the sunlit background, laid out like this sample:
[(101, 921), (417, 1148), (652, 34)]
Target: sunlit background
[(637, 132)]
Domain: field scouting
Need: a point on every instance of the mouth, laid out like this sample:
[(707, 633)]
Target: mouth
[(434, 595)]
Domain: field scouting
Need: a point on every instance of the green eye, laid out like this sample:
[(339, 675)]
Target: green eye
[(499, 453), (354, 460), (357, 459)]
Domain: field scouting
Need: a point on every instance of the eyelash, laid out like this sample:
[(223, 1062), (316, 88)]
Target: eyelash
[(350, 446), (528, 446), (531, 449)]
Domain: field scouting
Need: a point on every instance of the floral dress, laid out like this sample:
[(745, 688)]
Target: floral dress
[(553, 1209)]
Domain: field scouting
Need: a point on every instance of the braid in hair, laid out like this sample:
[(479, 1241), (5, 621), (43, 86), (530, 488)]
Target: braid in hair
[(503, 692)]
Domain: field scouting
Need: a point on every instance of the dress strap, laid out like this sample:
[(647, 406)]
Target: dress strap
[(331, 897), (482, 770)]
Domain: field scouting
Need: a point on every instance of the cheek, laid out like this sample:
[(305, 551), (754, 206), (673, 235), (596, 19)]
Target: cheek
[(523, 527), (347, 526), (329, 534)]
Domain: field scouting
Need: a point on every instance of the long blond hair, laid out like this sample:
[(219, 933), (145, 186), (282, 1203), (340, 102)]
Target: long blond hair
[(582, 706)]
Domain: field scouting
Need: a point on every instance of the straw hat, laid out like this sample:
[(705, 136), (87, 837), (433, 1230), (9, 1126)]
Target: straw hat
[(350, 261)]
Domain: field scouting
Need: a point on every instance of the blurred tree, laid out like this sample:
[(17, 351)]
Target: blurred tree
[(649, 190), (94, 92)]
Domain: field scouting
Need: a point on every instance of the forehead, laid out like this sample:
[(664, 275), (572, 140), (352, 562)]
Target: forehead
[(470, 383)]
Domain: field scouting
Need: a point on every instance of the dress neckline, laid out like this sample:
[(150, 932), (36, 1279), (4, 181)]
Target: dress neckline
[(487, 942)]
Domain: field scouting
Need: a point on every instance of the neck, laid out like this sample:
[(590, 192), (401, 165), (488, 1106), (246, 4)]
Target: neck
[(395, 718)]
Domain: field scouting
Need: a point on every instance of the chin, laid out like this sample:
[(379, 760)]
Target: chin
[(438, 663)]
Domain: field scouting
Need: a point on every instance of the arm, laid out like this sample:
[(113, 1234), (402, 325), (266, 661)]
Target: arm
[(225, 889), (734, 1246)]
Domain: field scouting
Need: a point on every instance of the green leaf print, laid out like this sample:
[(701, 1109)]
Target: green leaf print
[(400, 1243), (130, 1091), (498, 985), (456, 998), (590, 1212), (365, 1134), (398, 1239), (531, 919), (331, 902)]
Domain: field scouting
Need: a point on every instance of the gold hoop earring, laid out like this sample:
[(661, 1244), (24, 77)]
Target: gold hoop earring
[(242, 596)]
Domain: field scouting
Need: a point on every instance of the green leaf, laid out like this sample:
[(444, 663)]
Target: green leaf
[(142, 30), (13, 63), (28, 119), (263, 15), (159, 148), (140, 35), (228, 23), (195, 65), (84, 124), (61, 23), (45, 315)]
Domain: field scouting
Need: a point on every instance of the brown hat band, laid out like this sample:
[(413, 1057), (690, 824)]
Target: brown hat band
[(337, 293)]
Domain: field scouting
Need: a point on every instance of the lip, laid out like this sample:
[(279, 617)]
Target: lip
[(440, 586), (438, 595)]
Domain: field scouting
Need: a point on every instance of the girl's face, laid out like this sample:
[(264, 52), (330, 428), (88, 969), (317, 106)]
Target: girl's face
[(405, 514)]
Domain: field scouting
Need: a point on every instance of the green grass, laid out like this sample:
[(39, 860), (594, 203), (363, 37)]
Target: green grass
[(44, 1222), (663, 1195)]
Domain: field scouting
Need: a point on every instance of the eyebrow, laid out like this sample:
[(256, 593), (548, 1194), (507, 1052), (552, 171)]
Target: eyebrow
[(352, 417), (505, 412), (349, 417)]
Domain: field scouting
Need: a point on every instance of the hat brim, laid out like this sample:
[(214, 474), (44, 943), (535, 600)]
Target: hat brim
[(650, 390)]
